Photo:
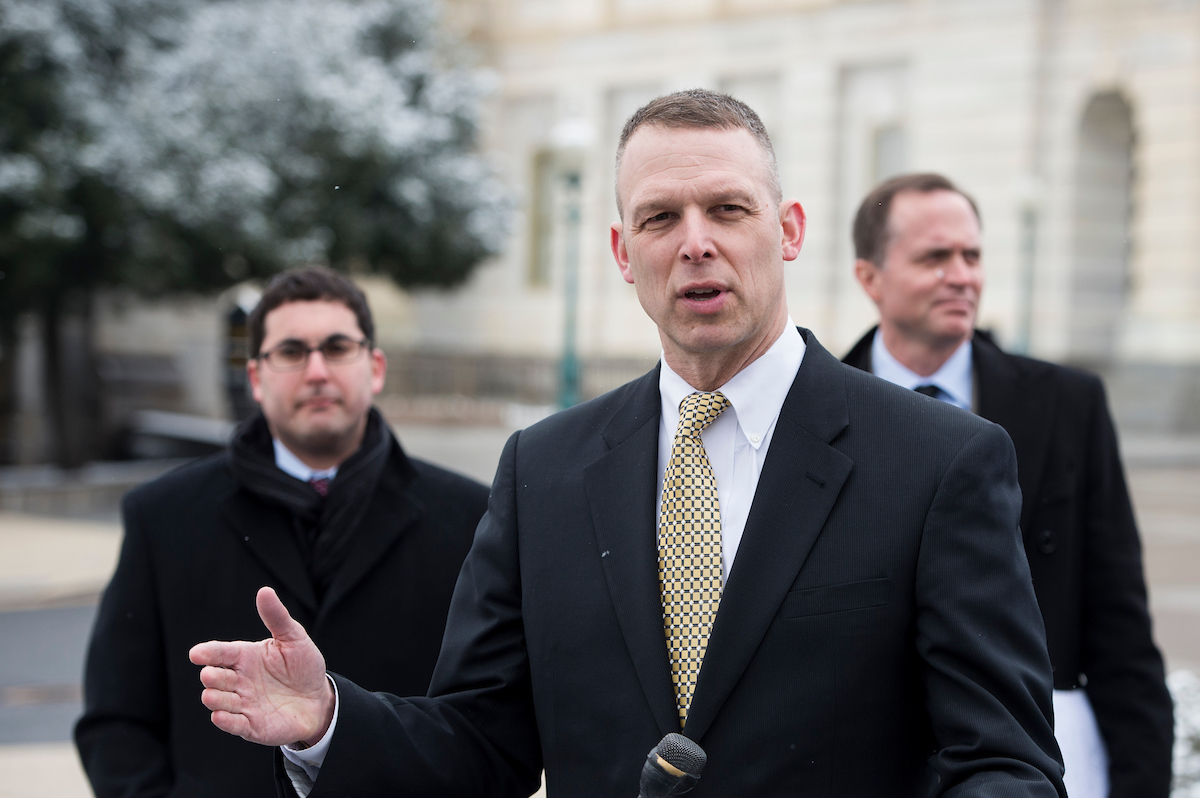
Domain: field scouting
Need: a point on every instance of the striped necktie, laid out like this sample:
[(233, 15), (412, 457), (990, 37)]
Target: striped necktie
[(689, 546)]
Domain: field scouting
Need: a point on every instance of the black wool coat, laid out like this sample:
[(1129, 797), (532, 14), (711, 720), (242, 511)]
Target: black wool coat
[(197, 548), (877, 635), (1084, 553)]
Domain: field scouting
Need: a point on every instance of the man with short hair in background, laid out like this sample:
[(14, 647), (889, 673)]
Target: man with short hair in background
[(919, 258), (314, 497)]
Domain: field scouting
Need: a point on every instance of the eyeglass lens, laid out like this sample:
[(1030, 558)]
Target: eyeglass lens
[(338, 349)]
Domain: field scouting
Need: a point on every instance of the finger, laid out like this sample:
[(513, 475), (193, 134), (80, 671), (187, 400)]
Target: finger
[(216, 652), (222, 700), (276, 618), (219, 678), (231, 723)]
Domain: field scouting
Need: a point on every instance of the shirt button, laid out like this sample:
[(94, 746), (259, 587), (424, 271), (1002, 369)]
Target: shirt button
[(755, 438)]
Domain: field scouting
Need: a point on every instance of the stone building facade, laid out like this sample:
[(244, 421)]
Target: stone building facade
[(1075, 124)]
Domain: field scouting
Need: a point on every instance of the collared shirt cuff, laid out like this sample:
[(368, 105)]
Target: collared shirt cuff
[(307, 761)]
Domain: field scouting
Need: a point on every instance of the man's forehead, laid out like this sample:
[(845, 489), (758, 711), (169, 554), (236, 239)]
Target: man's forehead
[(929, 212), (733, 153), (316, 318)]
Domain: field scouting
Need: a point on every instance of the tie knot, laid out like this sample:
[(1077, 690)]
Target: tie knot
[(931, 391), (320, 485), (699, 410)]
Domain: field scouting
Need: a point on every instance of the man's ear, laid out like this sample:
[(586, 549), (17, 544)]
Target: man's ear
[(378, 370), (252, 367), (868, 275), (794, 223), (620, 254)]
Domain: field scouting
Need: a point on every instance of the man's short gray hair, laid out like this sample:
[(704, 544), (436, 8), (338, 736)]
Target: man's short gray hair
[(700, 108)]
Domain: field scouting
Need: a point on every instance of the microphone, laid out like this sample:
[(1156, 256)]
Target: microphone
[(672, 767)]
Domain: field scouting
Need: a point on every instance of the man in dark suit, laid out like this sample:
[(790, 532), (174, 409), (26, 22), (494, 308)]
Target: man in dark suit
[(815, 575), (917, 241), (374, 542)]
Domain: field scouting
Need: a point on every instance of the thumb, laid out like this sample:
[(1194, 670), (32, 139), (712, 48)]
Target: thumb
[(276, 618)]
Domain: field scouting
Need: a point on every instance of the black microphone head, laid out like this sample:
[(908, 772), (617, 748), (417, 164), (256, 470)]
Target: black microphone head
[(682, 753)]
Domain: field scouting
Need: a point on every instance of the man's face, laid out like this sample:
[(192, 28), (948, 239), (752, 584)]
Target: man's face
[(320, 410), (702, 238), (929, 286)]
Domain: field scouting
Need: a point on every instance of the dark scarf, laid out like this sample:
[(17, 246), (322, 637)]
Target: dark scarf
[(322, 524)]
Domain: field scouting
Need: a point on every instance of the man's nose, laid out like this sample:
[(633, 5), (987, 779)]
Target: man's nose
[(697, 245), (316, 369), (957, 270)]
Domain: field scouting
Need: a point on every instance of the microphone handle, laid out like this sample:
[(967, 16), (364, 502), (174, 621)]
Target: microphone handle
[(657, 782)]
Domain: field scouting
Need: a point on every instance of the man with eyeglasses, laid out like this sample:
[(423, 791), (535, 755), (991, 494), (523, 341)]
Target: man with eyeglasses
[(314, 497)]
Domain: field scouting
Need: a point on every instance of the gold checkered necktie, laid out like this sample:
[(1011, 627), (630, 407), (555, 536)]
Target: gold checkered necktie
[(689, 546)]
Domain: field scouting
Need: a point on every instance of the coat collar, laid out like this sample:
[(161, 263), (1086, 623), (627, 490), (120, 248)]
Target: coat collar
[(1019, 395), (266, 531), (859, 355), (1014, 392), (393, 509)]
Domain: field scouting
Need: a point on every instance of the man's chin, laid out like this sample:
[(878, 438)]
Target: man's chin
[(320, 441)]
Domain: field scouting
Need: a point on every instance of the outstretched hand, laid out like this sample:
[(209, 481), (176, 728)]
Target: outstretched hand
[(272, 692)]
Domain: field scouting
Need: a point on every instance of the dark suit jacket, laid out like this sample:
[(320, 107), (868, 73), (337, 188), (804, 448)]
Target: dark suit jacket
[(197, 547), (877, 636), (1084, 553)]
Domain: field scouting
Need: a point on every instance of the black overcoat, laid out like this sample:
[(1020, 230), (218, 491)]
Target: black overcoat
[(197, 548), (1083, 548)]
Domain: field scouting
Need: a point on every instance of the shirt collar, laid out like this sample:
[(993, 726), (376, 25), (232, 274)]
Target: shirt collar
[(757, 392), (292, 465), (954, 377)]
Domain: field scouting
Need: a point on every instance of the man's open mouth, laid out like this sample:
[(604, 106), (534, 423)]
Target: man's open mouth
[(703, 294)]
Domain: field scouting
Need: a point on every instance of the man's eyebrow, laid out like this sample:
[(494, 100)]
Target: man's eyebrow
[(721, 196), (302, 342), (942, 251)]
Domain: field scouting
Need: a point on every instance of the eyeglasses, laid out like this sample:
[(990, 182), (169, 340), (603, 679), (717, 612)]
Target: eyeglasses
[(336, 350)]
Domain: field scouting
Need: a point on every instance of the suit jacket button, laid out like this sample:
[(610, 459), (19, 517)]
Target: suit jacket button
[(1046, 542)]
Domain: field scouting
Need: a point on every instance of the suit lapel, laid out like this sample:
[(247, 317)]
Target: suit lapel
[(799, 483), (620, 487), (1014, 398), (266, 531), (391, 513)]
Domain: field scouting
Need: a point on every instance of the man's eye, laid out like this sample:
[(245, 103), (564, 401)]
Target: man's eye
[(662, 217), (290, 353), (336, 348)]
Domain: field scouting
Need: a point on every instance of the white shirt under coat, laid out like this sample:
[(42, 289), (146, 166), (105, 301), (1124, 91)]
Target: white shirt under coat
[(954, 378), (737, 441)]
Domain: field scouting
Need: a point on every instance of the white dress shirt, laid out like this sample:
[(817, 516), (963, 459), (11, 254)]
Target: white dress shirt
[(953, 378), (1075, 727), (736, 443), (292, 465)]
